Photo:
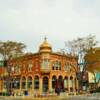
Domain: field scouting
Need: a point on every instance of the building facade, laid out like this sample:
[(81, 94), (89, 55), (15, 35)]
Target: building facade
[(43, 72)]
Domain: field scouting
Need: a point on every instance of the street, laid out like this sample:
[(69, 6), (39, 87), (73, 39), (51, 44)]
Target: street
[(54, 98)]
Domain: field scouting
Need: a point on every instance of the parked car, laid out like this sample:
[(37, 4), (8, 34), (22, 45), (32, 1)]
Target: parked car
[(95, 91)]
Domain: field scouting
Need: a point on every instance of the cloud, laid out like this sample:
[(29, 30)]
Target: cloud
[(61, 20)]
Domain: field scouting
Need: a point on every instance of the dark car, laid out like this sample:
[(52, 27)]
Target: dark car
[(95, 91)]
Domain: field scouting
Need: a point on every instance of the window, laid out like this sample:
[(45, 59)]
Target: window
[(66, 83), (36, 82), (23, 82), (17, 69), (67, 67), (53, 82), (17, 83), (56, 65), (29, 82), (45, 63), (71, 84), (30, 67), (59, 65)]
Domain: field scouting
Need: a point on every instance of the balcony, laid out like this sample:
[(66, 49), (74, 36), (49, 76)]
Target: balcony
[(45, 70)]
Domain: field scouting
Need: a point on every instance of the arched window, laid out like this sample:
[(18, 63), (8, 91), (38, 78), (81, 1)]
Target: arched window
[(23, 82), (45, 84), (29, 82), (60, 82), (66, 83), (17, 83), (71, 83), (36, 82), (53, 82)]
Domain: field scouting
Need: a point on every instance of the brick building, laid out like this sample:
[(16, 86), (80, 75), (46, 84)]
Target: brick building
[(42, 72)]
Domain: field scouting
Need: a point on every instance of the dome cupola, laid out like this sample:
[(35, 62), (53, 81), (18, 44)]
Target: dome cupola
[(45, 47)]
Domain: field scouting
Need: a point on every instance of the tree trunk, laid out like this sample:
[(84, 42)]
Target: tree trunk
[(94, 80)]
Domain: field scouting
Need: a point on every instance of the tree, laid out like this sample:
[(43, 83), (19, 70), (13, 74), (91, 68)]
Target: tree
[(8, 50), (11, 49), (80, 47), (93, 62)]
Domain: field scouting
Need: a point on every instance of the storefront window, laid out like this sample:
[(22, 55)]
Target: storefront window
[(23, 83), (29, 82), (53, 82), (36, 82), (71, 84), (17, 83), (66, 83)]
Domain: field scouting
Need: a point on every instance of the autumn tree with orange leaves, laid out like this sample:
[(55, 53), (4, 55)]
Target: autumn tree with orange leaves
[(93, 61)]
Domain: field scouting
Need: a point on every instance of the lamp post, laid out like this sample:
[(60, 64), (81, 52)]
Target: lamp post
[(8, 79), (78, 75), (82, 77)]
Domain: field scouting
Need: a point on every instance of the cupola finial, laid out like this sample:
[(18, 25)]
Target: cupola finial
[(45, 38)]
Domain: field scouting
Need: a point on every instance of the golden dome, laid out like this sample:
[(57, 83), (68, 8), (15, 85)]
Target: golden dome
[(45, 46)]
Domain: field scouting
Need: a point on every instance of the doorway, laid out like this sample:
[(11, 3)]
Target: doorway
[(45, 84)]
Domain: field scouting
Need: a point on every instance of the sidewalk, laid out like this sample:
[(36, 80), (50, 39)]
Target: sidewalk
[(61, 97)]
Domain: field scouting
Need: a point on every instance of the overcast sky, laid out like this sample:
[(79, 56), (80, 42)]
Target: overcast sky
[(28, 21)]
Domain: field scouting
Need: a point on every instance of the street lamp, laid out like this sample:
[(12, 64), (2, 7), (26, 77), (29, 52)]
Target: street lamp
[(82, 77), (78, 75), (8, 80)]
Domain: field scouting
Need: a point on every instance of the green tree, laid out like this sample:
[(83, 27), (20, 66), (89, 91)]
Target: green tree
[(11, 49)]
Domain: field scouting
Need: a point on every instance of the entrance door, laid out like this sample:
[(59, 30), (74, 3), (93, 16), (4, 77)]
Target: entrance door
[(45, 84), (61, 84)]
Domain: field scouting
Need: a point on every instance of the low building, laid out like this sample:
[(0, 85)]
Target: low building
[(94, 82)]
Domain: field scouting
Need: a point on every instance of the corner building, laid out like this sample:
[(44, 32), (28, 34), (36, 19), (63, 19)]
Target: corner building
[(43, 72)]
